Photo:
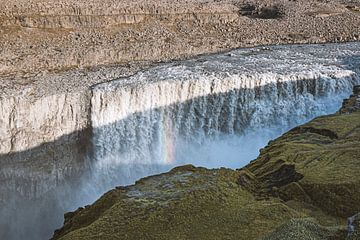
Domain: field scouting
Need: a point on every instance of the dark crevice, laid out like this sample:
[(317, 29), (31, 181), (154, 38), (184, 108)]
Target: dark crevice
[(263, 12)]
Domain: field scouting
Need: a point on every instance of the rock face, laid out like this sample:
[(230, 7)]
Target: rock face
[(303, 185), (47, 135), (351, 104)]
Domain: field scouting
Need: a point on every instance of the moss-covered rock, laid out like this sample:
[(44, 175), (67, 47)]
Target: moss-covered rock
[(317, 163), (186, 203), (304, 185)]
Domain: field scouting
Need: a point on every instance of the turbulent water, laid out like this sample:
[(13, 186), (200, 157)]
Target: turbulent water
[(211, 111)]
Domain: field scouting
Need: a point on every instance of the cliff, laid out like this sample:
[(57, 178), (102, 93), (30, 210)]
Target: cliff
[(303, 185)]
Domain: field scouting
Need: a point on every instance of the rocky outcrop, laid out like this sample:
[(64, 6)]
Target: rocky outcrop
[(351, 104), (303, 185), (302, 228)]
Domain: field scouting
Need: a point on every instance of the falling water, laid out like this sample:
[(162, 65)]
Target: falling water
[(212, 111)]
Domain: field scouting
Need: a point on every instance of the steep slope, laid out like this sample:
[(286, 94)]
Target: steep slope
[(303, 185)]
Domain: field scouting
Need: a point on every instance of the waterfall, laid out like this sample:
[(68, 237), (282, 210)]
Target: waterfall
[(213, 111), (205, 110)]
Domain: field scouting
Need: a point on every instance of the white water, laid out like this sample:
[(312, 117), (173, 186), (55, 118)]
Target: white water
[(213, 111)]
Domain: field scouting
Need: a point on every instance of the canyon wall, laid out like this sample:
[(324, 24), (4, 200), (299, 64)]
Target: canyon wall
[(42, 140), (144, 124), (60, 118), (227, 93)]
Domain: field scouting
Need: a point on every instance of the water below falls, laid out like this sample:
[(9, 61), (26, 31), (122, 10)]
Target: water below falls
[(212, 111)]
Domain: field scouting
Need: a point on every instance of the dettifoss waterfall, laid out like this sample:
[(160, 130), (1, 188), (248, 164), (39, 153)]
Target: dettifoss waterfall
[(212, 111)]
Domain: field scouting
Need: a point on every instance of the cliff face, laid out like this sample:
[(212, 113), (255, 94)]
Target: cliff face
[(26, 123), (43, 146), (40, 137), (352, 104), (82, 14), (303, 185), (318, 159)]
